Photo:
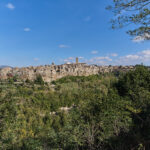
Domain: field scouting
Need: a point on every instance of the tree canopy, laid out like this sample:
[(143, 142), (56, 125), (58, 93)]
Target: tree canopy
[(136, 12), (105, 112)]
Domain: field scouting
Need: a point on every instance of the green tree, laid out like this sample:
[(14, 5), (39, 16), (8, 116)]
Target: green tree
[(134, 87), (136, 12), (39, 80)]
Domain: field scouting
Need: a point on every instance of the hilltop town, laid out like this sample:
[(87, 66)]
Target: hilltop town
[(53, 72)]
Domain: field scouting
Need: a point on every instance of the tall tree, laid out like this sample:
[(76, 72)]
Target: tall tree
[(136, 12)]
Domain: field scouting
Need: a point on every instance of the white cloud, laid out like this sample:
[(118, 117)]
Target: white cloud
[(94, 52), (145, 52), (81, 57), (145, 55), (69, 60), (103, 58), (72, 59), (112, 59), (63, 46), (65, 60), (138, 39), (133, 59), (27, 29), (36, 59), (10, 6), (87, 19), (142, 38), (114, 54), (99, 60)]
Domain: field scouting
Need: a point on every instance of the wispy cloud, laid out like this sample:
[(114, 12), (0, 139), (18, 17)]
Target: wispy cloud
[(133, 59), (10, 6), (103, 60), (36, 59), (73, 59), (27, 29), (81, 57), (113, 59), (139, 39), (69, 60), (94, 52), (63, 46), (114, 54)]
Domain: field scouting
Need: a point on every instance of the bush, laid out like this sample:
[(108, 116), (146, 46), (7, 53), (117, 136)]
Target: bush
[(39, 80)]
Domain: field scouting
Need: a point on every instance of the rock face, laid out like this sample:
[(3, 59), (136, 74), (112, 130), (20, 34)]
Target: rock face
[(53, 72)]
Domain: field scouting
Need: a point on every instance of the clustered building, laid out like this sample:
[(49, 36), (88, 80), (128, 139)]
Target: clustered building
[(53, 72)]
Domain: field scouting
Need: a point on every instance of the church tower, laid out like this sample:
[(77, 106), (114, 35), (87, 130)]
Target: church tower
[(77, 60)]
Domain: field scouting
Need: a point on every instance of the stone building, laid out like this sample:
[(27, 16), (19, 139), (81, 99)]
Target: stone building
[(53, 72)]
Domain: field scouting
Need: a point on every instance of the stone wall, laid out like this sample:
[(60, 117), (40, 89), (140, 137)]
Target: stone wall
[(52, 72)]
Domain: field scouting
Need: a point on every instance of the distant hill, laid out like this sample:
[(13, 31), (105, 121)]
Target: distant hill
[(4, 66)]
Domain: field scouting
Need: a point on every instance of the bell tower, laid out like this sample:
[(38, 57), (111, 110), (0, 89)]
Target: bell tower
[(77, 60)]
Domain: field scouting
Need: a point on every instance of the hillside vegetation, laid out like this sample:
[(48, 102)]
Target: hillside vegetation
[(105, 112)]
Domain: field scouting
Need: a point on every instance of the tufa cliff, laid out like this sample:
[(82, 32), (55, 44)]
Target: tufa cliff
[(53, 72)]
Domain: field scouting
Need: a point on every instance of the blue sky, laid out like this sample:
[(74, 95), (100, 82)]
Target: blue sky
[(38, 32)]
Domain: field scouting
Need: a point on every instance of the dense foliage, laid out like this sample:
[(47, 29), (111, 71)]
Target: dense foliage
[(106, 112)]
